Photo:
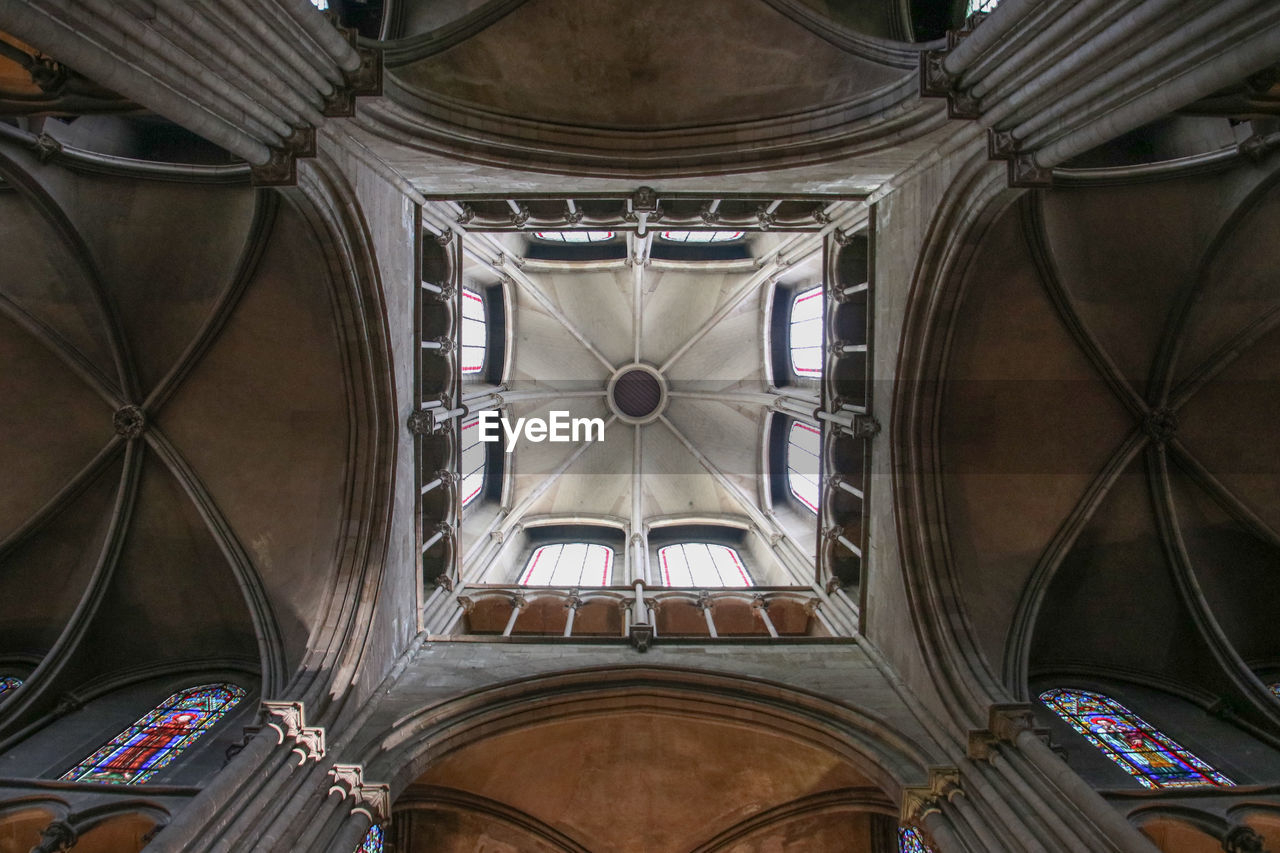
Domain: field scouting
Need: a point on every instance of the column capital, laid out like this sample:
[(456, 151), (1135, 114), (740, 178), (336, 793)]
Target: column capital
[(370, 799)]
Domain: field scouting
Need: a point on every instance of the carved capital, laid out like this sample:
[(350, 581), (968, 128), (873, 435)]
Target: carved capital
[(518, 218), (301, 142), (47, 148), (1259, 146), (57, 837), (641, 636), (129, 422), (842, 238), (865, 426), (572, 217), (444, 237), (1025, 172), (704, 601), (421, 422), (518, 601), (759, 602), (1001, 144), (279, 171), (468, 213), (573, 601), (644, 200), (467, 603), (1243, 839), (288, 721), (765, 218), (372, 800), (963, 105), (935, 80), (921, 800)]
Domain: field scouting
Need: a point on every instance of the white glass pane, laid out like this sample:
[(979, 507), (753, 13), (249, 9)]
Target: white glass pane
[(473, 459), (675, 571), (807, 362), (805, 438), (472, 359), (472, 333), (807, 305), (471, 486), (549, 236), (729, 566), (541, 565), (472, 306), (568, 570), (806, 333)]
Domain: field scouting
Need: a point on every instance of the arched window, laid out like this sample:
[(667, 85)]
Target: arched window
[(133, 756), (701, 236), (9, 683), (1146, 753), (702, 564), (372, 841), (569, 564), (474, 330), (805, 336), (910, 841), (574, 236), (473, 461), (803, 449)]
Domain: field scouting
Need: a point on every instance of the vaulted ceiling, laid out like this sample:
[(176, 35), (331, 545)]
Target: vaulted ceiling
[(1109, 468), (177, 450)]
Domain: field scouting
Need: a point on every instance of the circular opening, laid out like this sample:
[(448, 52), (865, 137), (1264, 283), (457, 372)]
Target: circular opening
[(637, 393)]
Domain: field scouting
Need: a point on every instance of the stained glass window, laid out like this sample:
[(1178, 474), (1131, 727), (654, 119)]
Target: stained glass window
[(982, 6), (569, 564), (702, 564), (574, 236), (910, 841), (1275, 688), (701, 236), (803, 448), (473, 459), (322, 5), (372, 841), (806, 333), (1145, 753), (8, 683), (133, 756), (473, 333)]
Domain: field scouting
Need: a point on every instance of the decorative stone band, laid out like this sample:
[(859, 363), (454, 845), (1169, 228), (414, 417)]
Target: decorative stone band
[(288, 721), (372, 800), (921, 800)]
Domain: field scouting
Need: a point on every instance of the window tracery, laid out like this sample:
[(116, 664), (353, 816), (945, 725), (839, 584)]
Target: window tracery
[(702, 564), (804, 446), (805, 333), (701, 236), (474, 331), (473, 461), (133, 756), (1143, 751), (575, 236), (569, 564)]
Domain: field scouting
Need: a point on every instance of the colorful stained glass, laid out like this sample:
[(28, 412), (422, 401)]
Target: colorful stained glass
[(473, 460), (8, 683), (702, 564), (1146, 753), (1275, 688), (474, 332), (569, 564), (701, 236), (803, 479), (806, 333), (372, 841), (910, 841), (133, 756)]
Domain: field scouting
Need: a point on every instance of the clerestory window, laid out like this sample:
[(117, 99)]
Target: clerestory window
[(474, 331), (701, 236), (8, 684), (137, 753), (569, 564), (473, 461), (1142, 750), (805, 333), (911, 841), (372, 842), (702, 564), (574, 236), (804, 447)]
